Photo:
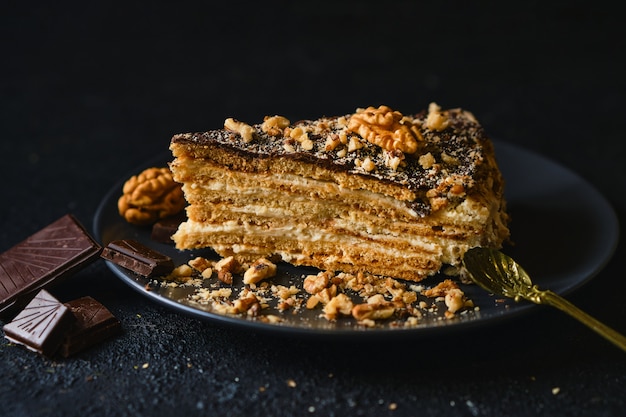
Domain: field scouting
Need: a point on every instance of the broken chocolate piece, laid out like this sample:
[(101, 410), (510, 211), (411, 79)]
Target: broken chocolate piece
[(42, 325), (44, 259), (137, 257), (94, 323), (163, 229)]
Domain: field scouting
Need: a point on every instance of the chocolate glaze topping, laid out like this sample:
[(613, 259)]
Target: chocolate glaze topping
[(458, 150)]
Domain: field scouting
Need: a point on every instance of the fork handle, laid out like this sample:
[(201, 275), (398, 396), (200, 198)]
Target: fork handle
[(551, 298)]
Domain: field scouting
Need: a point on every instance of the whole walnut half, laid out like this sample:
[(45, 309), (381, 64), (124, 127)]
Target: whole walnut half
[(149, 196)]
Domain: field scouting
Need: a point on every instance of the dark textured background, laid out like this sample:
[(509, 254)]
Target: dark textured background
[(89, 92)]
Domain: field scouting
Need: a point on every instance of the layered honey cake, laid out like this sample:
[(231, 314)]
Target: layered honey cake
[(374, 191)]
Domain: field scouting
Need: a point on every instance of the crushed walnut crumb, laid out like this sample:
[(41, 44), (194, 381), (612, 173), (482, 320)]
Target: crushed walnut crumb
[(231, 288)]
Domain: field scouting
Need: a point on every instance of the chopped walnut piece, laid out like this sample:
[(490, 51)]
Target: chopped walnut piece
[(376, 299), (316, 283), (408, 297), (394, 159), (426, 161), (338, 305), (307, 144), (298, 134), (332, 141), (354, 144), (181, 271), (180, 274), (302, 137), (327, 294), (368, 165), (200, 264), (247, 303), (225, 268), (274, 125), (373, 311), (453, 296), (287, 297), (228, 263), (436, 119), (288, 147), (312, 302), (285, 292), (244, 130), (455, 300), (258, 271), (440, 289), (225, 276)]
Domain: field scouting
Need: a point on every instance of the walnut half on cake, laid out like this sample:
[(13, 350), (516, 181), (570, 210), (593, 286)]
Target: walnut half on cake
[(374, 191)]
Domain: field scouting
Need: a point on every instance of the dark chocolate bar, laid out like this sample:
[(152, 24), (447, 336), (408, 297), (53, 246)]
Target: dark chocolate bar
[(94, 323), (42, 325), (163, 229), (138, 258), (43, 259)]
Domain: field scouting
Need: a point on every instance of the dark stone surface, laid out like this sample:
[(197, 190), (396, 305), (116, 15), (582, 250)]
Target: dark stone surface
[(89, 92)]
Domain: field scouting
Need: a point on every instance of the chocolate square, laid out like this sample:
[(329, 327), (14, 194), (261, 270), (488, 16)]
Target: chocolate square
[(94, 323), (137, 257), (44, 259), (42, 325)]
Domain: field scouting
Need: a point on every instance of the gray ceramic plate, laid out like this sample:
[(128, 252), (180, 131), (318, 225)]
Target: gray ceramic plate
[(556, 215)]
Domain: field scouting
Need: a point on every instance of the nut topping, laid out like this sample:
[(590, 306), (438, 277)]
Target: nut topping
[(335, 295), (149, 196), (373, 311), (258, 271), (225, 268), (274, 125), (246, 131), (386, 128), (436, 119), (337, 306)]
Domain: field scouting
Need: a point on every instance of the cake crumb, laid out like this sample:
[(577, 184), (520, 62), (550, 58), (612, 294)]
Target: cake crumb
[(369, 300)]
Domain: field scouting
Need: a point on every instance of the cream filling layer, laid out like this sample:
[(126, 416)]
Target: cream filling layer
[(248, 185), (447, 249)]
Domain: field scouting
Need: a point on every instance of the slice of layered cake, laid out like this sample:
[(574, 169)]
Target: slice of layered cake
[(374, 191)]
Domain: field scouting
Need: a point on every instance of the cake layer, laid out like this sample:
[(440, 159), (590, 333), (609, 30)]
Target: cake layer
[(336, 196), (341, 250), (213, 183), (267, 211), (360, 213)]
